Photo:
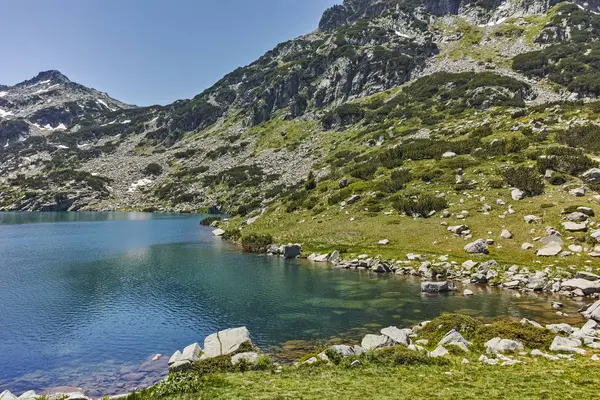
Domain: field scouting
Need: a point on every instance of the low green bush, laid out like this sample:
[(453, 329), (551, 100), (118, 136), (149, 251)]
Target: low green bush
[(524, 178), (422, 204), (256, 243)]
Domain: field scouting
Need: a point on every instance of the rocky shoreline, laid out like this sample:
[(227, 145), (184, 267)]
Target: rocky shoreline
[(581, 284), (233, 348)]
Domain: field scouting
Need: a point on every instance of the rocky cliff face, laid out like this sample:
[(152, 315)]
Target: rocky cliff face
[(372, 68), (47, 103)]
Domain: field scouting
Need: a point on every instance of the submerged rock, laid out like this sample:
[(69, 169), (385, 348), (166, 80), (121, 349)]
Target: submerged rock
[(435, 287)]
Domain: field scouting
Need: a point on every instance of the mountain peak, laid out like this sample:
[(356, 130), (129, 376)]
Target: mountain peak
[(52, 76)]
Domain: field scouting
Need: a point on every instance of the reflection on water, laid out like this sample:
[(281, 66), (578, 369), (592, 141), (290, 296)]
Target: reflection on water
[(87, 298)]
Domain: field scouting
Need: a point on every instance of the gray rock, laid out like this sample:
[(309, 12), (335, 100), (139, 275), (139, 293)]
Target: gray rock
[(175, 357), (458, 229), (561, 328), (347, 351), (439, 351), (587, 287), (353, 199), (586, 210), (532, 219), (435, 287), (592, 311), (574, 227), (566, 345), (399, 336), (372, 342), (517, 194), (578, 192), (225, 342), (576, 217), (592, 175), (454, 337), (291, 251), (499, 345), (6, 395), (191, 353), (467, 292), (335, 258), (250, 357), (477, 247), (29, 395), (218, 232), (531, 322), (588, 276), (550, 250)]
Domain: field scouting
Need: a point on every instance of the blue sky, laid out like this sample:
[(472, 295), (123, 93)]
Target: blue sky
[(146, 51)]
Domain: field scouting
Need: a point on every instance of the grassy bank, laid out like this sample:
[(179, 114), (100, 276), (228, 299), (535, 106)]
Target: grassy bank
[(398, 372), (538, 379)]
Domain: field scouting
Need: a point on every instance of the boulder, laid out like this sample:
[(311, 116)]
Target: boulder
[(477, 247), (439, 351), (566, 345), (592, 311), (353, 199), (454, 338), (517, 194), (561, 328), (435, 287), (576, 217), (550, 250), (191, 353), (291, 251), (587, 287), (335, 258), (577, 192), (372, 342), (592, 175), (587, 211), (588, 276), (499, 345), (505, 234), (6, 395), (29, 395), (399, 336), (467, 292), (458, 229), (574, 227), (347, 351), (249, 357), (531, 322), (532, 219), (449, 154), (225, 342), (175, 357), (218, 232)]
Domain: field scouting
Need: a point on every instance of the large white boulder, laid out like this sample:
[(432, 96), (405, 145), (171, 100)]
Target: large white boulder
[(191, 353), (6, 395), (250, 357), (587, 287), (372, 342), (399, 336), (567, 345), (499, 345), (225, 342)]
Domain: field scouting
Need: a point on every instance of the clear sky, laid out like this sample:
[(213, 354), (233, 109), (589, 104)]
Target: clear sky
[(146, 51)]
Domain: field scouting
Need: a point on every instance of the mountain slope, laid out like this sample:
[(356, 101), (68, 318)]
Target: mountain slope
[(376, 74)]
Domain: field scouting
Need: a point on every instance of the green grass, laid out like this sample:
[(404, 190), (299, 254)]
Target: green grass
[(538, 379)]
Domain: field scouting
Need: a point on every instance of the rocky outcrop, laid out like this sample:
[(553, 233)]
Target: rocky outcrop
[(225, 342)]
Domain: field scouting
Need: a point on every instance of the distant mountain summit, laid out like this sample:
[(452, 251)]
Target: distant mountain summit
[(46, 103)]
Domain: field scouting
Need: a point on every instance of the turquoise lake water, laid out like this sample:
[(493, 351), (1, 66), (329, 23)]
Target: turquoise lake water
[(86, 299)]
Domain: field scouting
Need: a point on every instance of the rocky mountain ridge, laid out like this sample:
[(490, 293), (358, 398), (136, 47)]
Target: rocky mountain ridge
[(255, 135)]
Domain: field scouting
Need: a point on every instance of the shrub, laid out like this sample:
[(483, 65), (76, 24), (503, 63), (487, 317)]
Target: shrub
[(364, 170), (310, 183), (586, 137), (524, 178), (422, 204), (231, 235), (529, 335), (153, 169), (435, 330), (396, 182), (256, 243)]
